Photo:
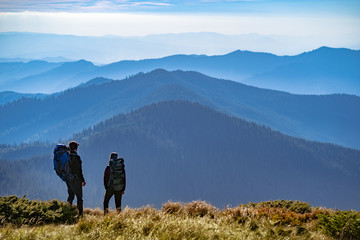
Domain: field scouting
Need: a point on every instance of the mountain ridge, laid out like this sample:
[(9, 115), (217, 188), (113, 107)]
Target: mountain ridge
[(322, 71), (323, 118)]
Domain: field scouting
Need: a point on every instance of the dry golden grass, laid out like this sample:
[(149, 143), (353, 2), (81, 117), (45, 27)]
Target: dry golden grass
[(195, 220)]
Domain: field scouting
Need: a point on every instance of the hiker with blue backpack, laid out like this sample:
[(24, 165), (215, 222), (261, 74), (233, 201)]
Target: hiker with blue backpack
[(114, 181), (67, 164)]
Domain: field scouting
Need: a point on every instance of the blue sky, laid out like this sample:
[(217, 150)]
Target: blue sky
[(345, 7), (26, 15)]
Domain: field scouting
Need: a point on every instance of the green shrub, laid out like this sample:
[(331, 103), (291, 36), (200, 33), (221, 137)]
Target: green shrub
[(341, 224), (294, 206), (85, 226), (19, 211)]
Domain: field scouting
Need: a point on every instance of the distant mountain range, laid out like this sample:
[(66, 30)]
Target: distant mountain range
[(328, 118), (25, 60), (12, 72), (183, 151), (322, 71), (108, 49), (9, 96)]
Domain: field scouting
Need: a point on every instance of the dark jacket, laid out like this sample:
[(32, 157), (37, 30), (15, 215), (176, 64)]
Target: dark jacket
[(107, 177), (75, 166)]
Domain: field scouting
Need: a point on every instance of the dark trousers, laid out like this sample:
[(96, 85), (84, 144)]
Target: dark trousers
[(75, 188), (109, 193)]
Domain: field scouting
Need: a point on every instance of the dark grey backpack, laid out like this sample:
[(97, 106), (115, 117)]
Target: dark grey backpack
[(117, 174)]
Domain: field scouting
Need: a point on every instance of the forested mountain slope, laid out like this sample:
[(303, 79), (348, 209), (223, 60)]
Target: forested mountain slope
[(183, 151)]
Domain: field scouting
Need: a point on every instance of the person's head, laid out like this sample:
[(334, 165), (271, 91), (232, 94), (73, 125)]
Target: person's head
[(73, 146), (113, 155)]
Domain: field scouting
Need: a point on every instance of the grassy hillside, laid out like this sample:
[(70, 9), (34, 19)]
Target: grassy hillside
[(194, 220)]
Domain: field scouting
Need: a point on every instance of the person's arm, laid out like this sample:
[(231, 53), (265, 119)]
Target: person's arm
[(124, 182), (81, 176), (106, 175)]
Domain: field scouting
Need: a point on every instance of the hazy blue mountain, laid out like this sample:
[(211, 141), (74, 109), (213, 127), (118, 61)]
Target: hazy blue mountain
[(237, 65), (15, 59), (12, 71), (8, 96), (95, 81), (108, 49), (58, 59), (56, 79), (182, 151), (326, 118), (322, 71), (14, 152)]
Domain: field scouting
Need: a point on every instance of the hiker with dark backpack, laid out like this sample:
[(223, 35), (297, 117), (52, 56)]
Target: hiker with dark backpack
[(67, 164), (114, 181)]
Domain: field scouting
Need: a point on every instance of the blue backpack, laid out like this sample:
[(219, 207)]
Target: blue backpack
[(62, 163)]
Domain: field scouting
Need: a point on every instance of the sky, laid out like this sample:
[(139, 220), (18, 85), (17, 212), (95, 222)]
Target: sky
[(335, 20), (139, 18)]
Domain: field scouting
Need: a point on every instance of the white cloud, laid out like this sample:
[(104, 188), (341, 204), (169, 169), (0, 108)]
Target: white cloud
[(92, 18), (78, 5), (130, 24)]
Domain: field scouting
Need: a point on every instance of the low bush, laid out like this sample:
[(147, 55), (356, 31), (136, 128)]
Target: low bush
[(341, 224), (172, 207), (294, 206), (192, 209), (199, 209), (20, 211)]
